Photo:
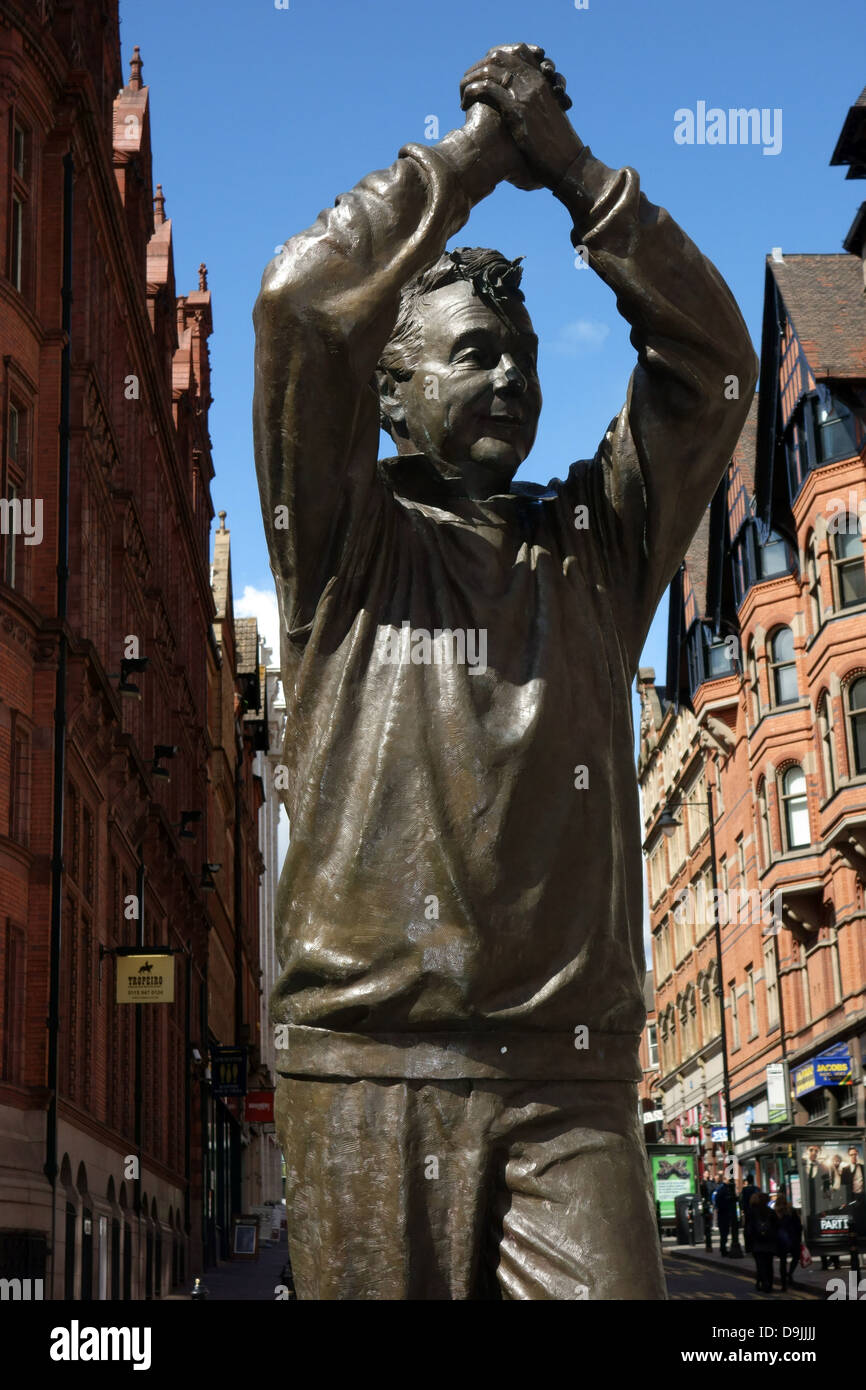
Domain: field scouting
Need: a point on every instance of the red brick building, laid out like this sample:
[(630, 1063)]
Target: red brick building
[(765, 699), (108, 816)]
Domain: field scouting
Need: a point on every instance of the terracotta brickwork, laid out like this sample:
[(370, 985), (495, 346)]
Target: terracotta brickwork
[(765, 701), (140, 512)]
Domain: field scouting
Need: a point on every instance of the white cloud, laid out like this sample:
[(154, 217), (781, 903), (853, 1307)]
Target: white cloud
[(580, 334), (262, 605)]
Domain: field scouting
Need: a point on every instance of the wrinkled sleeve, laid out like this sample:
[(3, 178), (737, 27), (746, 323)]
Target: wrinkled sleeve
[(327, 305), (662, 457)]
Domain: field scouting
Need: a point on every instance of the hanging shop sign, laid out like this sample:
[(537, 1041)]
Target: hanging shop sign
[(145, 979), (830, 1068), (229, 1071), (778, 1109), (259, 1107)]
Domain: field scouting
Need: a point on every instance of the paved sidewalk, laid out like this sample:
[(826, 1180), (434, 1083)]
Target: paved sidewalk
[(812, 1280), (247, 1279)]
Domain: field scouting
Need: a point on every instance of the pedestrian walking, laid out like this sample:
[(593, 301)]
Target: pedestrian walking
[(726, 1201), (748, 1191), (790, 1239), (761, 1233)]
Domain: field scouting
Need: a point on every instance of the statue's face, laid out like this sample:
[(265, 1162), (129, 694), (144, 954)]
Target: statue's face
[(472, 404)]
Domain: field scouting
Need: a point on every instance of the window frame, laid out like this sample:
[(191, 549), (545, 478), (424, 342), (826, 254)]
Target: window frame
[(776, 666), (18, 261), (826, 736), (842, 564), (857, 715), (786, 800), (813, 583)]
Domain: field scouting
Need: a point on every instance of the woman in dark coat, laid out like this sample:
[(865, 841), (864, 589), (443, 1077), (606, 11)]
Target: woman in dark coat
[(763, 1227)]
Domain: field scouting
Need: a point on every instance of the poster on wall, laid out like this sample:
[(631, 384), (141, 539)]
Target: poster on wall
[(832, 1187), (672, 1174)]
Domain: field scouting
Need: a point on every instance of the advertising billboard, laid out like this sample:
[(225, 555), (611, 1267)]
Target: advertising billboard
[(672, 1173), (832, 1189)]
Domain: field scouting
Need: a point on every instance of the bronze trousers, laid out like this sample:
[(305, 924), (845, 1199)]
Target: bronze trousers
[(467, 1190)]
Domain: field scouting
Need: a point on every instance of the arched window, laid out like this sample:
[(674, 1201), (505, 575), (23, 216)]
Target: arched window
[(825, 730), (764, 826), (849, 570), (813, 581), (706, 1014), (754, 682), (795, 809), (856, 701), (663, 1042), (783, 667)]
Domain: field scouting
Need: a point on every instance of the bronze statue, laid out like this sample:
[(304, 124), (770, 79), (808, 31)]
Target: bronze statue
[(459, 916)]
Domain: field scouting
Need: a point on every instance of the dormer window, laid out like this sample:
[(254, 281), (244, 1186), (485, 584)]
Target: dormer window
[(822, 430)]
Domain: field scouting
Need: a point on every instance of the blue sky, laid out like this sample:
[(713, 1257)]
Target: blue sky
[(261, 116)]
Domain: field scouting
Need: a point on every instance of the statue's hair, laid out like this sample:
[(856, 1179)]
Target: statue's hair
[(493, 278)]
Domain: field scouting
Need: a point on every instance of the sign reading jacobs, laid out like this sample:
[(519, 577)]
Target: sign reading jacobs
[(145, 979)]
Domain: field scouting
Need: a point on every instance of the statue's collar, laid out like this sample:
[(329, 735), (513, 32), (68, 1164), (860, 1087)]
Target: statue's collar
[(414, 477)]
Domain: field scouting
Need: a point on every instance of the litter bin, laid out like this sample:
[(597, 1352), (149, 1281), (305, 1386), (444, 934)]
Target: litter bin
[(689, 1219)]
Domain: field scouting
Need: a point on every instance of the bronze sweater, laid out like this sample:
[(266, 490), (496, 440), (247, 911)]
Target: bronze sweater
[(452, 905)]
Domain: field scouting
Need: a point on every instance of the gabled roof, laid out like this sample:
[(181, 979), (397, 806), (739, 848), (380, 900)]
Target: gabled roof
[(851, 145), (825, 299)]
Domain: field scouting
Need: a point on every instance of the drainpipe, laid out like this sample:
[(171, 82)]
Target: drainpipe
[(50, 1168)]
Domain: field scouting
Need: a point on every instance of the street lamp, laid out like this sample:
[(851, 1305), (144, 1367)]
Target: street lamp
[(128, 666), (188, 818), (669, 824), (160, 752)]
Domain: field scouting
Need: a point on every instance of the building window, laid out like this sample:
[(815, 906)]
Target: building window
[(764, 825), (706, 1007), (12, 517), (795, 809), (753, 1006), (19, 785), (848, 567), (804, 976), (754, 560), (735, 1017), (19, 217), (783, 667), (825, 730), (771, 982), (813, 578), (832, 425), (652, 1046), (822, 429), (835, 967), (708, 657), (856, 699), (15, 994), (741, 860), (775, 556), (754, 683)]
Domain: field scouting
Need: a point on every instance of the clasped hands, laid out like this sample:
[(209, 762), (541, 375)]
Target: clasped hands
[(516, 104)]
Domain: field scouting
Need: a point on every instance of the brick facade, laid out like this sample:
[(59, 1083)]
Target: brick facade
[(139, 522), (765, 700)]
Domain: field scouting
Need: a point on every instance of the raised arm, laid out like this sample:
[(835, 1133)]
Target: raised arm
[(327, 306), (689, 395)]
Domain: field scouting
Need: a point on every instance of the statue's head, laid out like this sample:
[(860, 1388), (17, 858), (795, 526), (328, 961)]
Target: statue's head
[(457, 379)]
